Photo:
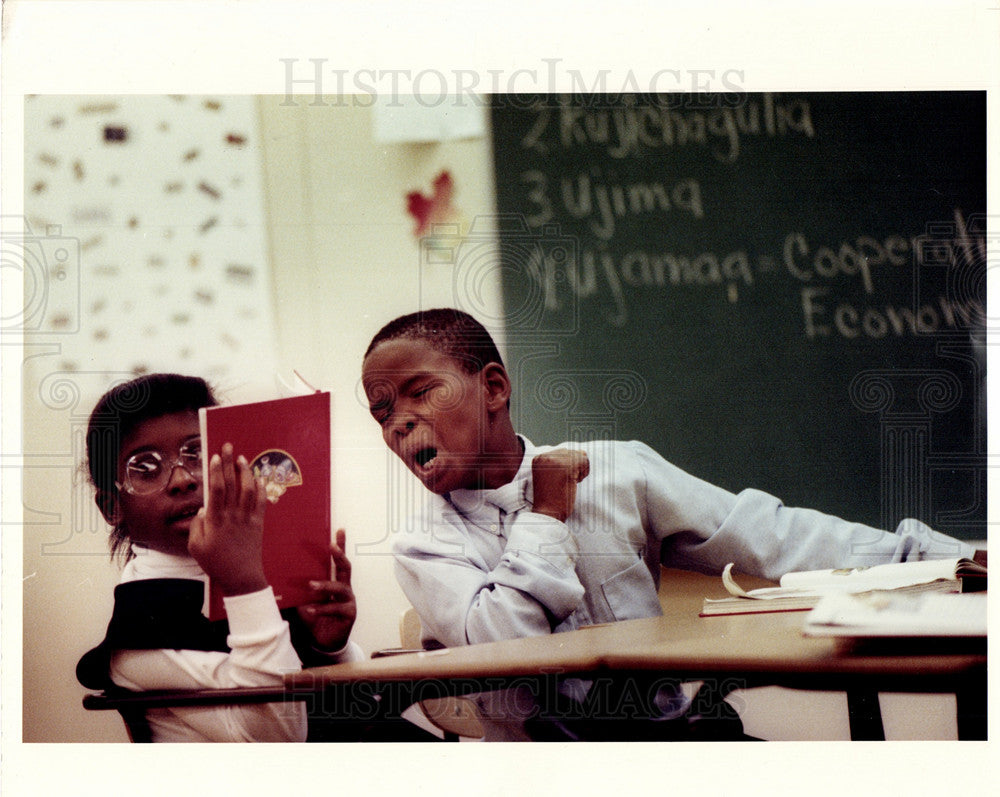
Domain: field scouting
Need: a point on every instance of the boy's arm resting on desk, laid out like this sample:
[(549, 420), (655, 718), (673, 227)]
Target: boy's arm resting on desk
[(462, 601), (261, 653), (704, 527)]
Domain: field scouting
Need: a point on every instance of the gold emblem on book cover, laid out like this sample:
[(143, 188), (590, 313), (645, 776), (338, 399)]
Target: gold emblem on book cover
[(279, 470)]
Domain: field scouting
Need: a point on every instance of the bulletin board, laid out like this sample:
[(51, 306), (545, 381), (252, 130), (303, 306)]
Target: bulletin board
[(143, 240)]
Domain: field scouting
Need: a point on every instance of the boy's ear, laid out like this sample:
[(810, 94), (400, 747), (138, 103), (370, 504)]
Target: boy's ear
[(107, 502), (497, 385)]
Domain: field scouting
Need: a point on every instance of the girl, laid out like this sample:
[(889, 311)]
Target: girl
[(144, 460)]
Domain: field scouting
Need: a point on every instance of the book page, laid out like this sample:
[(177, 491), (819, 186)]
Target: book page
[(859, 579), (887, 576)]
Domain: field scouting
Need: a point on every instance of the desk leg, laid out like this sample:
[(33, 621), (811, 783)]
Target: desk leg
[(971, 703), (865, 716)]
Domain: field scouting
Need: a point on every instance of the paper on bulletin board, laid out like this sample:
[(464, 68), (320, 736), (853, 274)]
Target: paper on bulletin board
[(413, 119)]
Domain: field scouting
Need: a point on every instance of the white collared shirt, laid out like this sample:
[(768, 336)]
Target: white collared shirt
[(260, 654)]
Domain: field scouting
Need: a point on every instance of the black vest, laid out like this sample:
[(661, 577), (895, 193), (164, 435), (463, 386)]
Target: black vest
[(165, 613)]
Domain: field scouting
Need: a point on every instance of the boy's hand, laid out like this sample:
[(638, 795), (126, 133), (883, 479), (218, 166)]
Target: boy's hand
[(331, 618), (226, 535), (555, 475)]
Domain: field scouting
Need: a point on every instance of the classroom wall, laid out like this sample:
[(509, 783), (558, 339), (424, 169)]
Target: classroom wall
[(340, 260)]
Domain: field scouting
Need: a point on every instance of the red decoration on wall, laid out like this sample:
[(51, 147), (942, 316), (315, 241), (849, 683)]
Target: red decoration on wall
[(433, 209)]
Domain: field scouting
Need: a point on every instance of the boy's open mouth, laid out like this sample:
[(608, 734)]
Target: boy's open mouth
[(425, 456)]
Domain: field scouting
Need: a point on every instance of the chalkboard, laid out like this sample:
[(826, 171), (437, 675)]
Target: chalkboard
[(778, 291)]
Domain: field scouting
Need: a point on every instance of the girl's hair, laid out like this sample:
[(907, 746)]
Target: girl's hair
[(119, 412), (452, 332)]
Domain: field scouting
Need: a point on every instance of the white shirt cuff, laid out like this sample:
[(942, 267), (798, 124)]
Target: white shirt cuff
[(253, 614)]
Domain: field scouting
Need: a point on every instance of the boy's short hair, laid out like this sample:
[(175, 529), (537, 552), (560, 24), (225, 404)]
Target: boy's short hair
[(451, 332)]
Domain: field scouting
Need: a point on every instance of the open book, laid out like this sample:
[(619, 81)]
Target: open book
[(889, 614), (287, 443), (802, 590)]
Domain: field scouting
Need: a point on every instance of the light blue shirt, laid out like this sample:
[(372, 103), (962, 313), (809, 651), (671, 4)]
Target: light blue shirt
[(480, 565)]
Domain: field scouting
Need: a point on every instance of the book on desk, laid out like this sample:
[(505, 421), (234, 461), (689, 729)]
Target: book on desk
[(889, 614), (802, 591)]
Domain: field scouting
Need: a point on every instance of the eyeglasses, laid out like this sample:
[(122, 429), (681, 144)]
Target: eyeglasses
[(149, 472)]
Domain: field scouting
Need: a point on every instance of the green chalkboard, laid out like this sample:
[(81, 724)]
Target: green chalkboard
[(779, 291)]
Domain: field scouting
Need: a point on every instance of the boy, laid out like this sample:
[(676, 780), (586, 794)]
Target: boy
[(520, 540)]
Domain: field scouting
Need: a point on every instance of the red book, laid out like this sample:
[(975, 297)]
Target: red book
[(287, 442)]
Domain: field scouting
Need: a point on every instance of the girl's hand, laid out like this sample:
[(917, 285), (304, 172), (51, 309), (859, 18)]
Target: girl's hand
[(332, 616), (227, 534), (554, 476)]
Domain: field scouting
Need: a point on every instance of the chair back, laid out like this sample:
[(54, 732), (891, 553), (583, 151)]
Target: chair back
[(455, 717)]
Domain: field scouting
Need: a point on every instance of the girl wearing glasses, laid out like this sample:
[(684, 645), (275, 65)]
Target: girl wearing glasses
[(144, 458)]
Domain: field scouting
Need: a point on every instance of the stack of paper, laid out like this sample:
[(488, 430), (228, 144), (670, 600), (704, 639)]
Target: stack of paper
[(889, 614)]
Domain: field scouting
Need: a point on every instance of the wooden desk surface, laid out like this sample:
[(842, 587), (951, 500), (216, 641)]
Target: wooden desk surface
[(762, 648)]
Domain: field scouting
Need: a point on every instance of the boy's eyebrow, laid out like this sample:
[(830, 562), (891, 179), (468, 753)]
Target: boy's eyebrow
[(408, 383), (405, 385)]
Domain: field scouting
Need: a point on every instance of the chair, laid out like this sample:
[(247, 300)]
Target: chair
[(455, 717), (132, 705)]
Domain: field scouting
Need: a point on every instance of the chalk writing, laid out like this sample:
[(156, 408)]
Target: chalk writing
[(603, 273), (603, 197), (613, 275), (854, 258), (850, 321), (601, 203), (629, 128)]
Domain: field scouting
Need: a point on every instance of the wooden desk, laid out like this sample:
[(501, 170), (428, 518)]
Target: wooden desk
[(741, 650)]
